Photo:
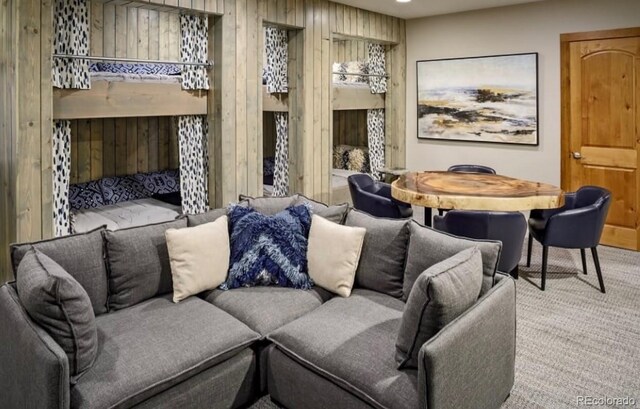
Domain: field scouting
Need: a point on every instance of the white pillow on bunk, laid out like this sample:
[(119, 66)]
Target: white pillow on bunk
[(199, 257)]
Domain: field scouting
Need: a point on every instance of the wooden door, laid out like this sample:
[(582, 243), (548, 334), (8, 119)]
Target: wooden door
[(601, 124)]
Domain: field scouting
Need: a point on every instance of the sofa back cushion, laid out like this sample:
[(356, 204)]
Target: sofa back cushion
[(80, 255), (440, 294), (138, 262), (428, 247), (333, 213), (194, 220), (384, 252), (59, 304), (268, 206)]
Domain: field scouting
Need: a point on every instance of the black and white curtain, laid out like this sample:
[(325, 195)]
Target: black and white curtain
[(194, 163), (281, 171), (277, 55), (61, 148), (375, 130), (194, 48), (71, 37), (378, 82)]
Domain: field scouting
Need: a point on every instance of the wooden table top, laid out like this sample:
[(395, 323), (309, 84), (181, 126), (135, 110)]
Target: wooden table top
[(475, 191)]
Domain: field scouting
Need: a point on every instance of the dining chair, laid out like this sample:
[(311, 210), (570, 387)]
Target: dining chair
[(507, 227), (471, 169), (468, 169), (375, 198), (576, 225)]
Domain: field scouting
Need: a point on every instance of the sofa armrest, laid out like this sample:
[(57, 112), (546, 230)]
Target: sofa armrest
[(470, 363), (34, 370)]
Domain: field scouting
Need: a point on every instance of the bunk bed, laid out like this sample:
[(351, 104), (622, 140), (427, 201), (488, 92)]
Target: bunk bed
[(351, 90), (137, 91)]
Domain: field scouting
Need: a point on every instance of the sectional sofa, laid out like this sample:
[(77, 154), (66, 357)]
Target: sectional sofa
[(226, 349)]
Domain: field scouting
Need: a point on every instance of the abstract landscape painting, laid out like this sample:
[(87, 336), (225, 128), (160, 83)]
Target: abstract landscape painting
[(481, 99)]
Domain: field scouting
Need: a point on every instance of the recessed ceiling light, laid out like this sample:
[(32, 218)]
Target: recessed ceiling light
[(403, 1)]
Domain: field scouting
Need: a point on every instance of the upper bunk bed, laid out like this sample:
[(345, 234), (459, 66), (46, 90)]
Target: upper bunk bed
[(130, 88), (351, 87)]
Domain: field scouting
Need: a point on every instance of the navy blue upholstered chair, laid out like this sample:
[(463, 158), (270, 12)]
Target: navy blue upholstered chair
[(507, 227), (375, 198), (576, 225), (471, 169)]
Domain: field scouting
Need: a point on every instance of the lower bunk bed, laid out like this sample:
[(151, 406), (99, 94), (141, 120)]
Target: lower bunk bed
[(125, 201)]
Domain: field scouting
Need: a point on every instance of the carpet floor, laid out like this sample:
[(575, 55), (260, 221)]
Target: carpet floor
[(572, 340)]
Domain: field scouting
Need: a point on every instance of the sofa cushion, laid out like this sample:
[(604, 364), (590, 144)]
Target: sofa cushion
[(80, 255), (265, 309), (383, 254), (351, 341), (334, 254), (269, 205), (440, 294), (199, 257), (56, 301), (334, 213), (207, 217), (268, 250), (138, 262), (428, 247), (154, 345)]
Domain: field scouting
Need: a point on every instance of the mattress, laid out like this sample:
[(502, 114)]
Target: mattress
[(343, 84), (130, 77), (267, 190), (125, 214)]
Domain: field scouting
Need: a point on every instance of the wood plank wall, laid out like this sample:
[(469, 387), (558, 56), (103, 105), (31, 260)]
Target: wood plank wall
[(122, 146), (350, 128), (268, 135), (235, 117)]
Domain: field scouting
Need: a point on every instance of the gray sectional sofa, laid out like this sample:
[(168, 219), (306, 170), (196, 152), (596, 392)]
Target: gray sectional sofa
[(226, 349)]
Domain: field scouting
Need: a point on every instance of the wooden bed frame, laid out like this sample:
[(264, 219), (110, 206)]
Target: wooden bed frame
[(108, 99), (274, 102)]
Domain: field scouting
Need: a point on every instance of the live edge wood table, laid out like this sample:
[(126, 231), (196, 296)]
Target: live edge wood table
[(474, 191)]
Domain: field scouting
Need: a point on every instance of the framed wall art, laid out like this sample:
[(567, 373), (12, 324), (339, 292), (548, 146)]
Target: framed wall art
[(481, 99)]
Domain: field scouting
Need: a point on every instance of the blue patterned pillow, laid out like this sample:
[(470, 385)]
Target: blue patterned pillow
[(85, 196), (160, 69), (268, 166), (122, 189), (165, 181), (269, 250)]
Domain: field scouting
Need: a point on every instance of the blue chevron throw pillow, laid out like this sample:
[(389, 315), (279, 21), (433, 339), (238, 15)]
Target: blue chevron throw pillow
[(269, 250)]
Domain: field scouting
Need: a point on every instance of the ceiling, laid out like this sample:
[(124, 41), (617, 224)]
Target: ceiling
[(424, 8)]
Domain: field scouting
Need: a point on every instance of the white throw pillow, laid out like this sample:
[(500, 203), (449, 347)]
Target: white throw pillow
[(333, 254), (199, 257)]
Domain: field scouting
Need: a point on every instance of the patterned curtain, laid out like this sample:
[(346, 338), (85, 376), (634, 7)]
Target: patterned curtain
[(194, 163), (375, 130), (71, 36), (281, 171), (377, 64), (194, 32), (61, 176), (276, 49)]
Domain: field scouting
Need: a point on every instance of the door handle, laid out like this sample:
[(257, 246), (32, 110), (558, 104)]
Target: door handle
[(576, 155)]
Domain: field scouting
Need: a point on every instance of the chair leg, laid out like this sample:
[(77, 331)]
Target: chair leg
[(596, 261), (545, 255), (583, 255), (529, 245)]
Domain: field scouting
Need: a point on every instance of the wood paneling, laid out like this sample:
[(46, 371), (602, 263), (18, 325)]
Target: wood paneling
[(174, 6), (350, 128), (122, 146)]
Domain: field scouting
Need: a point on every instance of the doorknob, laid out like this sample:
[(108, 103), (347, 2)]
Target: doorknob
[(576, 155)]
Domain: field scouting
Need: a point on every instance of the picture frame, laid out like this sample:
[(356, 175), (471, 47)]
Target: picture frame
[(488, 99)]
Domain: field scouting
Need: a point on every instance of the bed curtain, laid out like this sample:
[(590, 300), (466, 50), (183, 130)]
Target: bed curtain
[(281, 171), (194, 163), (71, 36), (375, 130), (194, 33), (277, 55), (377, 64), (61, 169)]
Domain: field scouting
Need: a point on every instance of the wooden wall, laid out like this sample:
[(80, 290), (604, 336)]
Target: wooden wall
[(235, 106), (350, 128), (268, 135), (122, 146), (350, 50)]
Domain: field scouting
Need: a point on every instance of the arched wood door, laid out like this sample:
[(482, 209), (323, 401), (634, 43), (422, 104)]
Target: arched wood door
[(601, 124)]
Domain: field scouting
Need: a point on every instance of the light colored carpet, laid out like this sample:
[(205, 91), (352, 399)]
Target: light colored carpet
[(572, 340)]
